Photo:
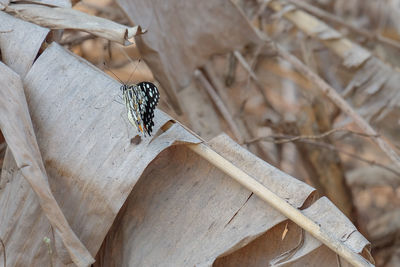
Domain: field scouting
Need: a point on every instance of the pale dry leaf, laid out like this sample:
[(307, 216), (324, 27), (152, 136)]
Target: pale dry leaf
[(185, 207), (54, 3), (354, 56), (20, 217), (294, 191), (87, 150), (71, 115), (331, 219), (68, 18), (16, 126), (260, 252), (299, 250), (20, 42), (324, 32), (183, 35)]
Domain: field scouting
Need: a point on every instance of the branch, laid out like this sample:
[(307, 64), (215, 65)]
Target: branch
[(305, 139), (332, 147), (340, 102), (301, 137)]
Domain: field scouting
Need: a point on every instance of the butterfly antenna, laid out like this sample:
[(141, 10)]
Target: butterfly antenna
[(137, 64), (112, 73), (130, 59)]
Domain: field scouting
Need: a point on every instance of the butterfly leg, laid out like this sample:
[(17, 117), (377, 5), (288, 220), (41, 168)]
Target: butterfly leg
[(114, 100), (120, 98)]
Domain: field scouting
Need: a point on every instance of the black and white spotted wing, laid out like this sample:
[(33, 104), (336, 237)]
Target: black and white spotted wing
[(150, 96)]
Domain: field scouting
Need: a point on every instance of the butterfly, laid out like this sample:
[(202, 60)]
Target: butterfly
[(141, 100)]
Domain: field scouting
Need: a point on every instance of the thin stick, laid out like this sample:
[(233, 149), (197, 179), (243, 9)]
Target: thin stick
[(130, 59), (134, 70), (254, 77), (241, 122), (261, 9), (220, 105), (279, 204), (271, 138), (4, 252), (318, 136), (104, 64), (340, 102), (332, 147)]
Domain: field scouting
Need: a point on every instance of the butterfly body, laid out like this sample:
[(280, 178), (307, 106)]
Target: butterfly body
[(141, 100)]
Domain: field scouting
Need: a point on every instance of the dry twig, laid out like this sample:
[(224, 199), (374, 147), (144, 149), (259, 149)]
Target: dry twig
[(333, 148), (341, 103), (301, 137), (245, 129), (306, 139), (220, 105), (4, 252), (254, 77)]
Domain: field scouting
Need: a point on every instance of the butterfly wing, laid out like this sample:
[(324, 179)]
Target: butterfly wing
[(150, 97), (130, 99)]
